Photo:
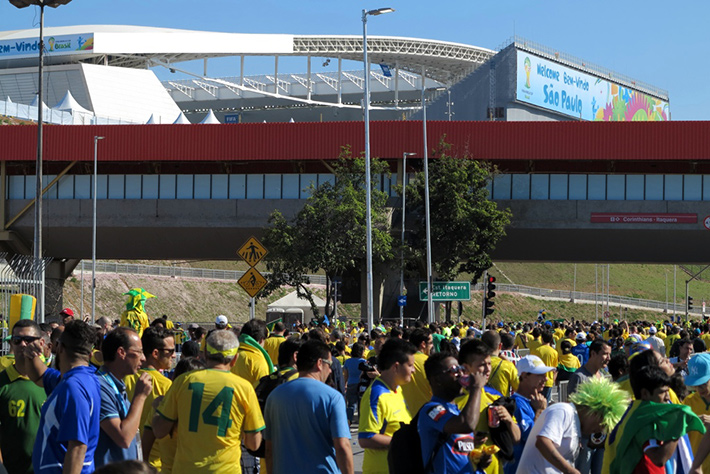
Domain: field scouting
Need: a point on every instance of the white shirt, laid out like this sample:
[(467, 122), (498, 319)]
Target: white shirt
[(560, 424), (657, 344)]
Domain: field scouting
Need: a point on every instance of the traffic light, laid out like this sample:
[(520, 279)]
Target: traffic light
[(488, 303), (690, 303)]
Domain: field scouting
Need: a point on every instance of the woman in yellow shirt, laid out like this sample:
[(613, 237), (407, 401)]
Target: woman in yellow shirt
[(568, 362)]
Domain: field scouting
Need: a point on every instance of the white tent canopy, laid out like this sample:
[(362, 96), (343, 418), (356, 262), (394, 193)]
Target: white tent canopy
[(292, 301), (181, 120), (69, 103), (210, 118)]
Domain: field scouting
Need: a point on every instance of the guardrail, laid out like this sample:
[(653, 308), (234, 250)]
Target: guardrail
[(158, 270), (234, 275)]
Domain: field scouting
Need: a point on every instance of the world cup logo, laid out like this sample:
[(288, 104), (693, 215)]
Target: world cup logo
[(528, 68), (50, 41)]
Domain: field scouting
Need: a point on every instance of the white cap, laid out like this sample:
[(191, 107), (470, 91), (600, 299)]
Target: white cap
[(652, 330), (580, 335), (532, 365), (221, 320)]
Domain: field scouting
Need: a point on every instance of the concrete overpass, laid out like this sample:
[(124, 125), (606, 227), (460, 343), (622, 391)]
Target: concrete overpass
[(582, 192)]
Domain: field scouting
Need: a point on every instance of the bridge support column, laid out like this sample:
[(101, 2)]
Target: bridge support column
[(56, 274)]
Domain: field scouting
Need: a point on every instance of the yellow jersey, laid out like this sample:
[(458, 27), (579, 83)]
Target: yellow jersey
[(251, 365), (213, 409), (550, 357), (699, 407), (504, 376), (522, 339), (569, 361), (382, 411), (271, 346), (161, 384), (417, 392)]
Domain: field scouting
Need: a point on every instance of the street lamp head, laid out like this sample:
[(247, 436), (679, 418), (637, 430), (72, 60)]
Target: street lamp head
[(98, 138), (46, 3), (380, 11), (409, 154)]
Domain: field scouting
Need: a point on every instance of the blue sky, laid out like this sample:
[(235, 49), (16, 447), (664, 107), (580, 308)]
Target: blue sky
[(662, 43)]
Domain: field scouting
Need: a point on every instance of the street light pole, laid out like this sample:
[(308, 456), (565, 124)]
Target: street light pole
[(93, 240), (38, 269), (368, 180), (401, 270), (427, 214)]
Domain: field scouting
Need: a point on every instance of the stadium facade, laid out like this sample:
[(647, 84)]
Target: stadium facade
[(110, 74)]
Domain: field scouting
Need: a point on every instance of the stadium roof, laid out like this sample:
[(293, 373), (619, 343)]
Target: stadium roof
[(140, 47)]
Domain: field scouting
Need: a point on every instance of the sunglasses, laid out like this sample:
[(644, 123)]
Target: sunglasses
[(327, 362), (454, 369), (169, 351), (25, 339)]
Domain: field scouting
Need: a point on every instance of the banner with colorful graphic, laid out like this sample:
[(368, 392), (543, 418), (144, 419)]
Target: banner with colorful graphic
[(53, 45), (564, 90)]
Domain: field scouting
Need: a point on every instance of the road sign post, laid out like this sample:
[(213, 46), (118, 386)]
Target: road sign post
[(252, 281)]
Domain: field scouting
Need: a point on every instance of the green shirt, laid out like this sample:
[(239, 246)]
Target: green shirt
[(20, 404)]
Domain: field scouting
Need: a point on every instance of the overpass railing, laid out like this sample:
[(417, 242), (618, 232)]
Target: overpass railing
[(234, 275), (172, 271)]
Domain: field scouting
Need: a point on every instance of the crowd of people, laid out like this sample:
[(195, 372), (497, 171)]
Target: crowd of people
[(134, 396)]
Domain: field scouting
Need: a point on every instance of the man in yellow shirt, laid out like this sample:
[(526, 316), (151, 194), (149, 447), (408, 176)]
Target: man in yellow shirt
[(550, 357), (225, 408), (504, 375), (382, 407), (253, 362), (535, 342), (523, 337), (159, 351), (418, 392), (275, 339)]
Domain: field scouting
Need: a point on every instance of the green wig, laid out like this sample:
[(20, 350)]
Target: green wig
[(603, 398)]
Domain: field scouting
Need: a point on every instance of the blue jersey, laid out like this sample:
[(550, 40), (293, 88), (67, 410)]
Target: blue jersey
[(452, 456), (581, 352), (114, 404), (71, 413), (525, 415)]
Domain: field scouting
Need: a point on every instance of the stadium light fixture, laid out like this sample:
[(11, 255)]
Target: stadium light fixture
[(37, 251), (368, 180)]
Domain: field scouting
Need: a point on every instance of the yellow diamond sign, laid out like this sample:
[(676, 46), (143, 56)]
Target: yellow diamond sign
[(252, 282), (252, 251)]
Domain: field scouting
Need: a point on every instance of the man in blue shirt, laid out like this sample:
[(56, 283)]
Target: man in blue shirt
[(446, 432), (122, 350), (308, 410), (529, 402), (69, 425)]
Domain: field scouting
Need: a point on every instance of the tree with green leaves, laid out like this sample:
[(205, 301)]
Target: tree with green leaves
[(465, 223), (329, 232)]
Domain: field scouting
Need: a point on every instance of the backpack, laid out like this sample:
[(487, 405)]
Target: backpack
[(405, 452), (266, 385)]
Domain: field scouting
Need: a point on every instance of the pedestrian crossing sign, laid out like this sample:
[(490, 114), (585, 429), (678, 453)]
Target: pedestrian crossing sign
[(252, 251)]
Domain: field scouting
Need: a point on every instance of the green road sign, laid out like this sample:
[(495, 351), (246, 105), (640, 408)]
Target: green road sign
[(446, 291)]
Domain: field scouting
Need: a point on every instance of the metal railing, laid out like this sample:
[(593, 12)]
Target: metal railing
[(234, 275), (184, 272)]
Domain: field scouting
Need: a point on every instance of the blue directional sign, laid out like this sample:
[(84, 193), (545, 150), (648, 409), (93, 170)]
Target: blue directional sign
[(402, 300)]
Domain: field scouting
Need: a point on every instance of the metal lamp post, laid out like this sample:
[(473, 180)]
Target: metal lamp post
[(368, 186), (430, 303), (401, 270), (37, 250), (93, 235)]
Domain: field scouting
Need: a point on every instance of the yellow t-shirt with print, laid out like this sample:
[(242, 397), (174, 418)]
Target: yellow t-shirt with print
[(504, 376), (382, 411), (209, 442), (161, 384)]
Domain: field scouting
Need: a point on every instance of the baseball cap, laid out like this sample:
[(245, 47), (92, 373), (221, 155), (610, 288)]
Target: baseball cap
[(532, 365), (652, 330), (698, 370), (67, 311), (581, 335), (638, 347), (193, 326), (221, 320)]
